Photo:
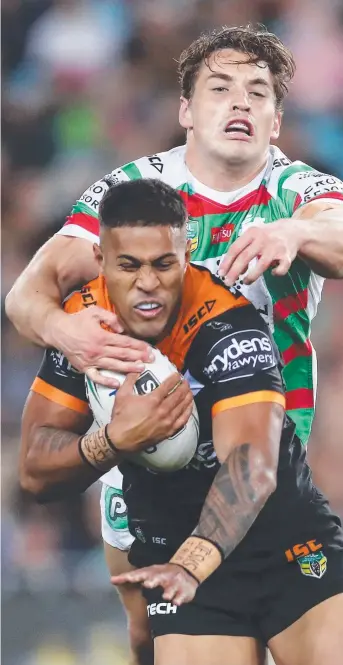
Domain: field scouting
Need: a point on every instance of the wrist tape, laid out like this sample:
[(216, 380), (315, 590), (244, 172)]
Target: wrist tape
[(199, 557), (97, 450)]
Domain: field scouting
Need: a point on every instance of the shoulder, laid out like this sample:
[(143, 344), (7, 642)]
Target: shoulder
[(168, 166), (296, 183), (92, 293), (205, 297)]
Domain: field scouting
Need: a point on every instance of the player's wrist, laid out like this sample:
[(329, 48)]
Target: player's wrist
[(199, 557), (98, 450), (54, 326)]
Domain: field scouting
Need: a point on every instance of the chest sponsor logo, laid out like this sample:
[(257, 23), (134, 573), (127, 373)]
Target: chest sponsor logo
[(193, 233), (221, 233), (239, 355)]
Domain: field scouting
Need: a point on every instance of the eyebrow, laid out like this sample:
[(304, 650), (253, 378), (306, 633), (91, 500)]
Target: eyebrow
[(134, 259), (229, 79)]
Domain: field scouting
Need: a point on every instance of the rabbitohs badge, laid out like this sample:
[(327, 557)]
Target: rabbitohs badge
[(193, 233)]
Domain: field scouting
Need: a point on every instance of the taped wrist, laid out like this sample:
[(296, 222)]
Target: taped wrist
[(97, 449), (199, 557)]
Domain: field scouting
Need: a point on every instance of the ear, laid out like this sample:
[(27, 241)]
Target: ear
[(276, 126), (185, 113), (99, 257)]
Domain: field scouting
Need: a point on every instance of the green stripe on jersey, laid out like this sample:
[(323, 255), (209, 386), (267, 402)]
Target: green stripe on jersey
[(84, 208), (298, 373), (132, 171)]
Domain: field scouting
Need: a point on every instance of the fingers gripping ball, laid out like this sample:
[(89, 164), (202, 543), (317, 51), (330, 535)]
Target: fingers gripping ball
[(173, 453)]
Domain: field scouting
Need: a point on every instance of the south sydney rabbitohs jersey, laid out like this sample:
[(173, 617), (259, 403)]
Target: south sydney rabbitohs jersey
[(216, 219), (226, 351)]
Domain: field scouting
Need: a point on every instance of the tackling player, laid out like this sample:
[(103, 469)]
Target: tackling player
[(245, 199), (261, 547)]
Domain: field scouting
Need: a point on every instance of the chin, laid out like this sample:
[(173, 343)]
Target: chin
[(149, 332)]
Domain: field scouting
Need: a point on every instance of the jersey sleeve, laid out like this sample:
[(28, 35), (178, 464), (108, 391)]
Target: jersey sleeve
[(235, 354), (83, 221), (301, 184), (59, 382)]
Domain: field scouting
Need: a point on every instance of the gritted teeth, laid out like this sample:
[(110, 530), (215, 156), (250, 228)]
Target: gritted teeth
[(147, 305), (239, 126)]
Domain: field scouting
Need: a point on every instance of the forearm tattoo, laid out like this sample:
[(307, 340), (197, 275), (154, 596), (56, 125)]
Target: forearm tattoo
[(233, 502)]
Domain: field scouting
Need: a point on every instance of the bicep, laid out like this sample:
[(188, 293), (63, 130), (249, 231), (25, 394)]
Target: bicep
[(259, 424), (319, 207)]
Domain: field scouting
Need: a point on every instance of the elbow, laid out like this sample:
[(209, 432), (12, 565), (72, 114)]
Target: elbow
[(10, 305), (263, 477), (33, 486), (33, 482)]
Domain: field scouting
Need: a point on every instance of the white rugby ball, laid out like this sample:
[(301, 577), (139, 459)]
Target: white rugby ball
[(173, 453)]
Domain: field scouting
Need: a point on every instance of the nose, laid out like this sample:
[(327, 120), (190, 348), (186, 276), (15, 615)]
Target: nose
[(147, 279), (240, 101)]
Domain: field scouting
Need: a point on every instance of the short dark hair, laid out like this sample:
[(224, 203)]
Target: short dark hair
[(143, 202), (256, 42)]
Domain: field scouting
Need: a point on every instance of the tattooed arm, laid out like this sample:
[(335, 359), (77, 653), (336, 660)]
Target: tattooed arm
[(247, 441), (50, 462), (56, 460)]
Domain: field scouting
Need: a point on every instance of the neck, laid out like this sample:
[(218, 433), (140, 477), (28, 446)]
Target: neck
[(219, 174)]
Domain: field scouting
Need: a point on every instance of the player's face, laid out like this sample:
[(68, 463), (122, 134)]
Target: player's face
[(144, 268), (227, 92)]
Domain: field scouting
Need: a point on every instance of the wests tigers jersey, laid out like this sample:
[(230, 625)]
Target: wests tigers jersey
[(225, 350)]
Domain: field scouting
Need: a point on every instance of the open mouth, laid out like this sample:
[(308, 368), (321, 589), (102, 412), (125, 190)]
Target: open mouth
[(148, 309), (239, 129)]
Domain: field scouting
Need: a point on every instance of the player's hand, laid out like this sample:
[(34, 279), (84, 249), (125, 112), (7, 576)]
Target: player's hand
[(272, 245), (140, 421), (89, 347), (178, 586)]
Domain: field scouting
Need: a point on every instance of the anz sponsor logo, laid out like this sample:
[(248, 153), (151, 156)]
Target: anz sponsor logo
[(239, 355), (161, 608)]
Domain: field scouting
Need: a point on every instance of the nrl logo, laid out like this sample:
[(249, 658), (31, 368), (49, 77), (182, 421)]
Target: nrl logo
[(193, 233), (313, 565)]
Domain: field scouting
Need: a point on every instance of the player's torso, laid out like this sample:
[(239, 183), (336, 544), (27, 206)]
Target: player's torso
[(168, 505), (216, 220)]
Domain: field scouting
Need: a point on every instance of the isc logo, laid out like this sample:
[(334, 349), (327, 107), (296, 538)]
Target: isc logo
[(197, 316)]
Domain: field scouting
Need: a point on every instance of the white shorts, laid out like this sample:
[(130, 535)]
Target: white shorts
[(114, 526)]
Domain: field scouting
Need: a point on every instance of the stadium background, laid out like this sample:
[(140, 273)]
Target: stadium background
[(87, 86)]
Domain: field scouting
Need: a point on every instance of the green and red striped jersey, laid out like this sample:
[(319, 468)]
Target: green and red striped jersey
[(216, 219)]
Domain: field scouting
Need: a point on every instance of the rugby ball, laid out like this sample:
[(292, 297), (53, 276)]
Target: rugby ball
[(171, 454)]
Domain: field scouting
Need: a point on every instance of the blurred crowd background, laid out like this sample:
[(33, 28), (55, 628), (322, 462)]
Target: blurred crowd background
[(87, 86)]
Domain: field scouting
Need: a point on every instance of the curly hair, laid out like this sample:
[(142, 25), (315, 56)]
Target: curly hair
[(256, 42)]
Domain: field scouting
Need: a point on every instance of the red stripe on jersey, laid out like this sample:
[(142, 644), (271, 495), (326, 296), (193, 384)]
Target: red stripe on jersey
[(290, 304), (87, 222), (297, 202), (296, 350), (301, 398), (328, 195), (198, 205)]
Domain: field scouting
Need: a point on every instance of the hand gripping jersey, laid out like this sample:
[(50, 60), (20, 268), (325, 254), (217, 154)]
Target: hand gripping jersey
[(216, 219)]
